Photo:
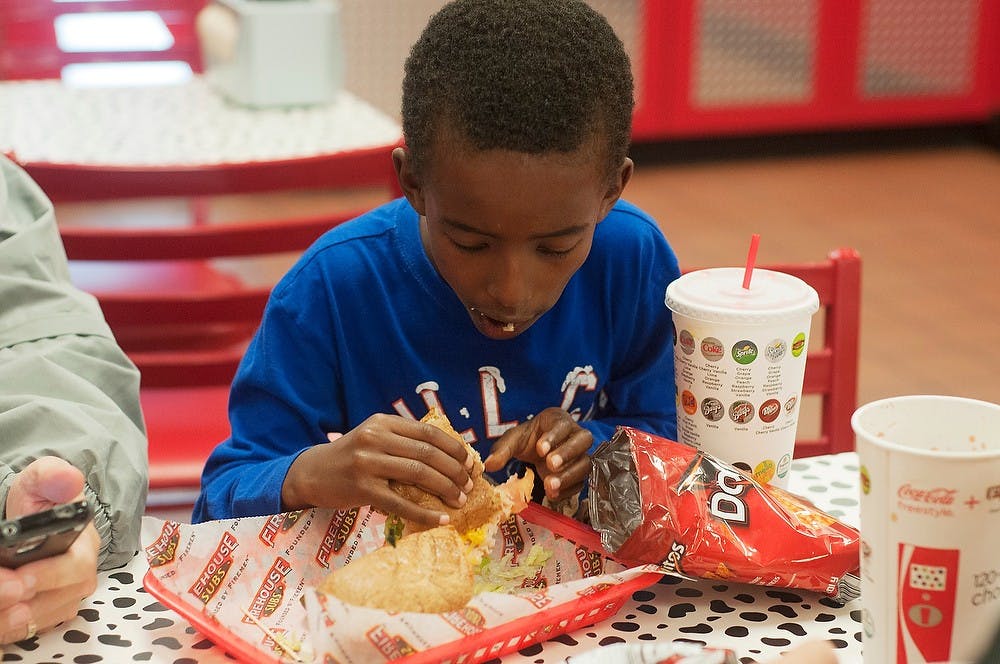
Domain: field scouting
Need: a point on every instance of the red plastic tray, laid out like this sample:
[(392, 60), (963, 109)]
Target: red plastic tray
[(492, 643)]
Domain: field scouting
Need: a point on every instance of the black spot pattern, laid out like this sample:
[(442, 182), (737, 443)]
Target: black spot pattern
[(784, 610), (680, 610)]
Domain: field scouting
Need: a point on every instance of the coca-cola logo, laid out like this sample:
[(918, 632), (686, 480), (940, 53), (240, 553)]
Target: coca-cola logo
[(936, 496), (712, 349), (687, 342)]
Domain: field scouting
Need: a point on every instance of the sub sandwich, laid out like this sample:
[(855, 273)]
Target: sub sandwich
[(432, 569)]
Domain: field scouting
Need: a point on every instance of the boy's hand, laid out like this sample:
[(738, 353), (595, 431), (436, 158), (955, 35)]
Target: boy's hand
[(355, 468), (43, 593), (555, 444)]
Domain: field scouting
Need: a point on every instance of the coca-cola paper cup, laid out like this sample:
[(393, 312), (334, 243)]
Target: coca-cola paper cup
[(930, 528), (739, 361)]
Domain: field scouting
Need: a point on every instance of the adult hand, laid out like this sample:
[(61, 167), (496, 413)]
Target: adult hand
[(355, 468), (813, 652), (555, 444), (44, 593)]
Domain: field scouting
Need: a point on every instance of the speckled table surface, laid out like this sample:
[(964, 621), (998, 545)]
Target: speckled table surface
[(185, 124), (122, 623)]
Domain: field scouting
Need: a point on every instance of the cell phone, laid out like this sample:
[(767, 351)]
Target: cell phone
[(43, 534)]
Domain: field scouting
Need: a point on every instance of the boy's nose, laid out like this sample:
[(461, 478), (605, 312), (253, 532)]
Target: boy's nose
[(510, 286)]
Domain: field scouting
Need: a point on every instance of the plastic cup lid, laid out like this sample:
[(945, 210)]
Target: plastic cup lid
[(716, 295)]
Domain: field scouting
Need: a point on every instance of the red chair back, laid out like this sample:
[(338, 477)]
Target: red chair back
[(832, 371), (184, 316)]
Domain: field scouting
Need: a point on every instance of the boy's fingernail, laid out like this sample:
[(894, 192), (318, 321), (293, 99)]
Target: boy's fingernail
[(555, 462), (462, 498), (469, 462), (468, 486), (545, 446), (443, 520), (554, 484)]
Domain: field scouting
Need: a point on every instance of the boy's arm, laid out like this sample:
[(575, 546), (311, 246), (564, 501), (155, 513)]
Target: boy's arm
[(285, 393)]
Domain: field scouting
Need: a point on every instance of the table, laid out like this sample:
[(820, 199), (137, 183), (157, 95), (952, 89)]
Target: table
[(185, 139), (186, 124), (120, 622)]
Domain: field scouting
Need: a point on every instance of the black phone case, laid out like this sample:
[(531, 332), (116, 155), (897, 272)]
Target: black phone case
[(42, 534)]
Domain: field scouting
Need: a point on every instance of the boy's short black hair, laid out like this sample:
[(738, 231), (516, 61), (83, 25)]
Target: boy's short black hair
[(531, 76)]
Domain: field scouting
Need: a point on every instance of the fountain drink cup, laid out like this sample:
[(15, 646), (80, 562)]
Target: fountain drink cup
[(739, 361), (930, 528)]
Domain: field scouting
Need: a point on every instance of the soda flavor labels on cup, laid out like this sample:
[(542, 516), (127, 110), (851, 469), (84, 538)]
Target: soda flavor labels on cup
[(930, 528), (739, 361)]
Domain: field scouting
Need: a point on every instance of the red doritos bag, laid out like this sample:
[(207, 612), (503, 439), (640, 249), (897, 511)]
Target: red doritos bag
[(657, 501)]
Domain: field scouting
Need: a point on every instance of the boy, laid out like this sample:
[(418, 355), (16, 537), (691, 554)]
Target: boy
[(510, 287)]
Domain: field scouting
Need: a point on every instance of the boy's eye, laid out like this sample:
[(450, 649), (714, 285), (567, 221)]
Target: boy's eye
[(556, 252), (470, 248)]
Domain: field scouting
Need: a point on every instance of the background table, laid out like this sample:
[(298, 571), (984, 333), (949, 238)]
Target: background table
[(122, 623)]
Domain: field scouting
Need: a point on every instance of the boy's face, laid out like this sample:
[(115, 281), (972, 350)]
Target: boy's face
[(506, 230)]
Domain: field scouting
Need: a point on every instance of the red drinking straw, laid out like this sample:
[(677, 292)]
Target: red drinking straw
[(751, 260)]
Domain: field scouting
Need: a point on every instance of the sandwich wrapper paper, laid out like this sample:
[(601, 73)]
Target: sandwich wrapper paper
[(248, 584)]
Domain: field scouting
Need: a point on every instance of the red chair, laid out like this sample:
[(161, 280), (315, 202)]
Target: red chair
[(832, 371), (29, 48), (184, 316)]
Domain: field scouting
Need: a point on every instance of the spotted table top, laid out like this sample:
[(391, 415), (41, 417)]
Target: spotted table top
[(186, 124), (122, 623)]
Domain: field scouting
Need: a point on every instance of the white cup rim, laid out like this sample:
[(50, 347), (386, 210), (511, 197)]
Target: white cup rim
[(897, 447)]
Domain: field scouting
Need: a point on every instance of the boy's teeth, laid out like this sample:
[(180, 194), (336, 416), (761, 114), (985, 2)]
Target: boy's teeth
[(508, 327)]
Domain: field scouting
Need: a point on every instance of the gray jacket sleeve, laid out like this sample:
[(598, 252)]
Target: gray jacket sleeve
[(66, 388)]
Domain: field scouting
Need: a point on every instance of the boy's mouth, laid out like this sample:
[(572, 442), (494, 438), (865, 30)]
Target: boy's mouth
[(495, 328)]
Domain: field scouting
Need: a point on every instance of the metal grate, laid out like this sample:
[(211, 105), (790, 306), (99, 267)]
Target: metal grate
[(917, 47), (754, 51)]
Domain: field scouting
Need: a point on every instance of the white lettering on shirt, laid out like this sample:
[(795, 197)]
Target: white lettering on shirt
[(492, 384)]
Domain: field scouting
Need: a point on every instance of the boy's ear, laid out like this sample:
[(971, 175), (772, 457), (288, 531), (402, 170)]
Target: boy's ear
[(407, 179), (617, 186)]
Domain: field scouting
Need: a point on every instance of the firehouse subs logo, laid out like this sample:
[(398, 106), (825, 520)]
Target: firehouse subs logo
[(591, 563), (279, 523), (164, 549), (392, 647), (337, 532), (539, 600), (513, 541), (536, 581), (271, 592), (467, 620), (215, 571)]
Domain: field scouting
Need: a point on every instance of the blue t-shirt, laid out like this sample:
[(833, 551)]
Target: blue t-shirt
[(364, 324)]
